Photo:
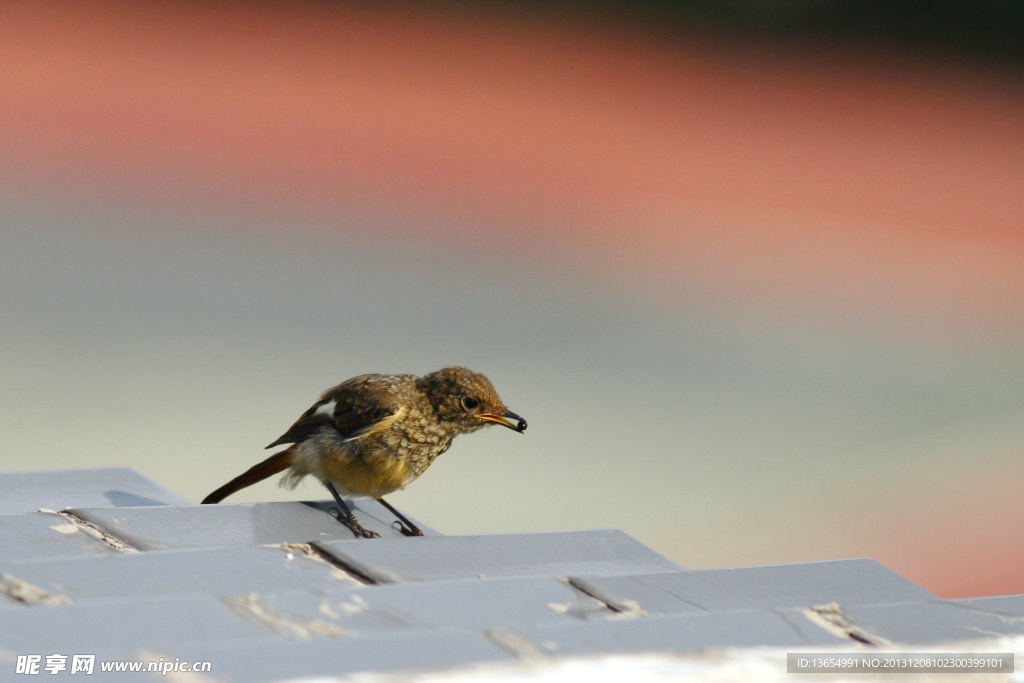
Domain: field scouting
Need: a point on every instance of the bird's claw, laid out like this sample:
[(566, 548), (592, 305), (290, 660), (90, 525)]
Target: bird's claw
[(352, 524), (357, 528), (365, 533), (406, 530)]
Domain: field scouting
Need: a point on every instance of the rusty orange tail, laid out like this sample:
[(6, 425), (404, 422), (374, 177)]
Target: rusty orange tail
[(278, 462)]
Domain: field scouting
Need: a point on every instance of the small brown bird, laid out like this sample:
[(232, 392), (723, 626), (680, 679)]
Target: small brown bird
[(374, 434)]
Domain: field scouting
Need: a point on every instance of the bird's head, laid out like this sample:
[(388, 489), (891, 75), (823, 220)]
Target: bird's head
[(467, 400)]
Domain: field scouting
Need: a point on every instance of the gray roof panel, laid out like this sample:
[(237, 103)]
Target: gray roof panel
[(46, 536), (1005, 605), (61, 489), (555, 554), (805, 584), (233, 526), (227, 572), (470, 604), (680, 633), (124, 625), (255, 663), (932, 622)]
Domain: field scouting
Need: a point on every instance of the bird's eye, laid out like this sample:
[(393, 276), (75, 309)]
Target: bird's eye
[(469, 403)]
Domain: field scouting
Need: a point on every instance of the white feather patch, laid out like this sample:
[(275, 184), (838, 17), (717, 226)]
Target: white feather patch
[(327, 408)]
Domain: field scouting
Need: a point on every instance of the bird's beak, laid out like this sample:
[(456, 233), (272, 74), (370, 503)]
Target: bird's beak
[(503, 420)]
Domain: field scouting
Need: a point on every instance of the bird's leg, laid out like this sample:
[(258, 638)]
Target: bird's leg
[(346, 517), (407, 527)]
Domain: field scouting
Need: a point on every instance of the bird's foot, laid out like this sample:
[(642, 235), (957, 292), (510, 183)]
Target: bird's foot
[(353, 524), (361, 532), (407, 530)]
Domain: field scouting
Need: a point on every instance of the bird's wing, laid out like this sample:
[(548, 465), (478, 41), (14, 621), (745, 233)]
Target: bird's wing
[(354, 406)]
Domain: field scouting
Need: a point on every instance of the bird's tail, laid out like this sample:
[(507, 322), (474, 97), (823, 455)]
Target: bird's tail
[(278, 462)]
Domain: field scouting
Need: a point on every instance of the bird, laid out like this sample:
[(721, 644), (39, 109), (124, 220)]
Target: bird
[(374, 434)]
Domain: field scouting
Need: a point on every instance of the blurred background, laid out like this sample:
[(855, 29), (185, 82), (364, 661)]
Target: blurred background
[(753, 271)]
